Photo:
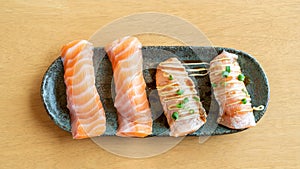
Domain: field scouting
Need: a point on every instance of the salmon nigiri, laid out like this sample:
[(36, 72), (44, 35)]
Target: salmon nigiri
[(178, 96), (86, 111), (134, 115), (230, 91)]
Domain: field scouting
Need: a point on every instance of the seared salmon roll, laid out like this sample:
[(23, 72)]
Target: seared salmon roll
[(181, 103), (230, 92)]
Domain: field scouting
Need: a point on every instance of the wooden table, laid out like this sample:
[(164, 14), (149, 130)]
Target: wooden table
[(33, 32)]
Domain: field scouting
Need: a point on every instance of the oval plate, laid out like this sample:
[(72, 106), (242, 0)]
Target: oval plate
[(53, 89)]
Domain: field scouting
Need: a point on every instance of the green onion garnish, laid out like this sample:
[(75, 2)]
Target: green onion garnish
[(175, 115), (214, 85), (244, 100), (170, 77), (225, 74), (179, 105), (196, 98), (227, 69), (180, 92), (241, 77), (192, 111), (185, 100)]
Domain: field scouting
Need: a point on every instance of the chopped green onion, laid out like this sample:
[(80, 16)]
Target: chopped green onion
[(179, 105), (196, 98), (214, 85), (225, 74), (244, 100), (180, 92), (227, 69), (192, 111), (175, 115), (185, 100), (241, 77), (170, 77)]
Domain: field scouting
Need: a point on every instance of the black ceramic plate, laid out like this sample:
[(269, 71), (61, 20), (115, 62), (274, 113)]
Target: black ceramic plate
[(54, 95)]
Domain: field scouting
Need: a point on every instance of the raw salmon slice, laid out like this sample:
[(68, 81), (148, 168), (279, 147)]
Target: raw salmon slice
[(134, 115), (86, 111), (230, 92), (178, 96)]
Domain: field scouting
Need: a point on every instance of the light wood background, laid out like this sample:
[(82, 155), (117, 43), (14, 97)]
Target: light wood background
[(33, 32)]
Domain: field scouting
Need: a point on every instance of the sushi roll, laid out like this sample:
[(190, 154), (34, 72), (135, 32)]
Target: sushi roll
[(134, 114), (230, 92), (181, 104), (83, 101)]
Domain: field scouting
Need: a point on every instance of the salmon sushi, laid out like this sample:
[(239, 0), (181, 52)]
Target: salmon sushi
[(181, 104), (83, 101), (134, 114), (230, 92)]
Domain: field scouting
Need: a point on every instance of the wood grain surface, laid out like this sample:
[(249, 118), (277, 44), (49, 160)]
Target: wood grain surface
[(33, 32)]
